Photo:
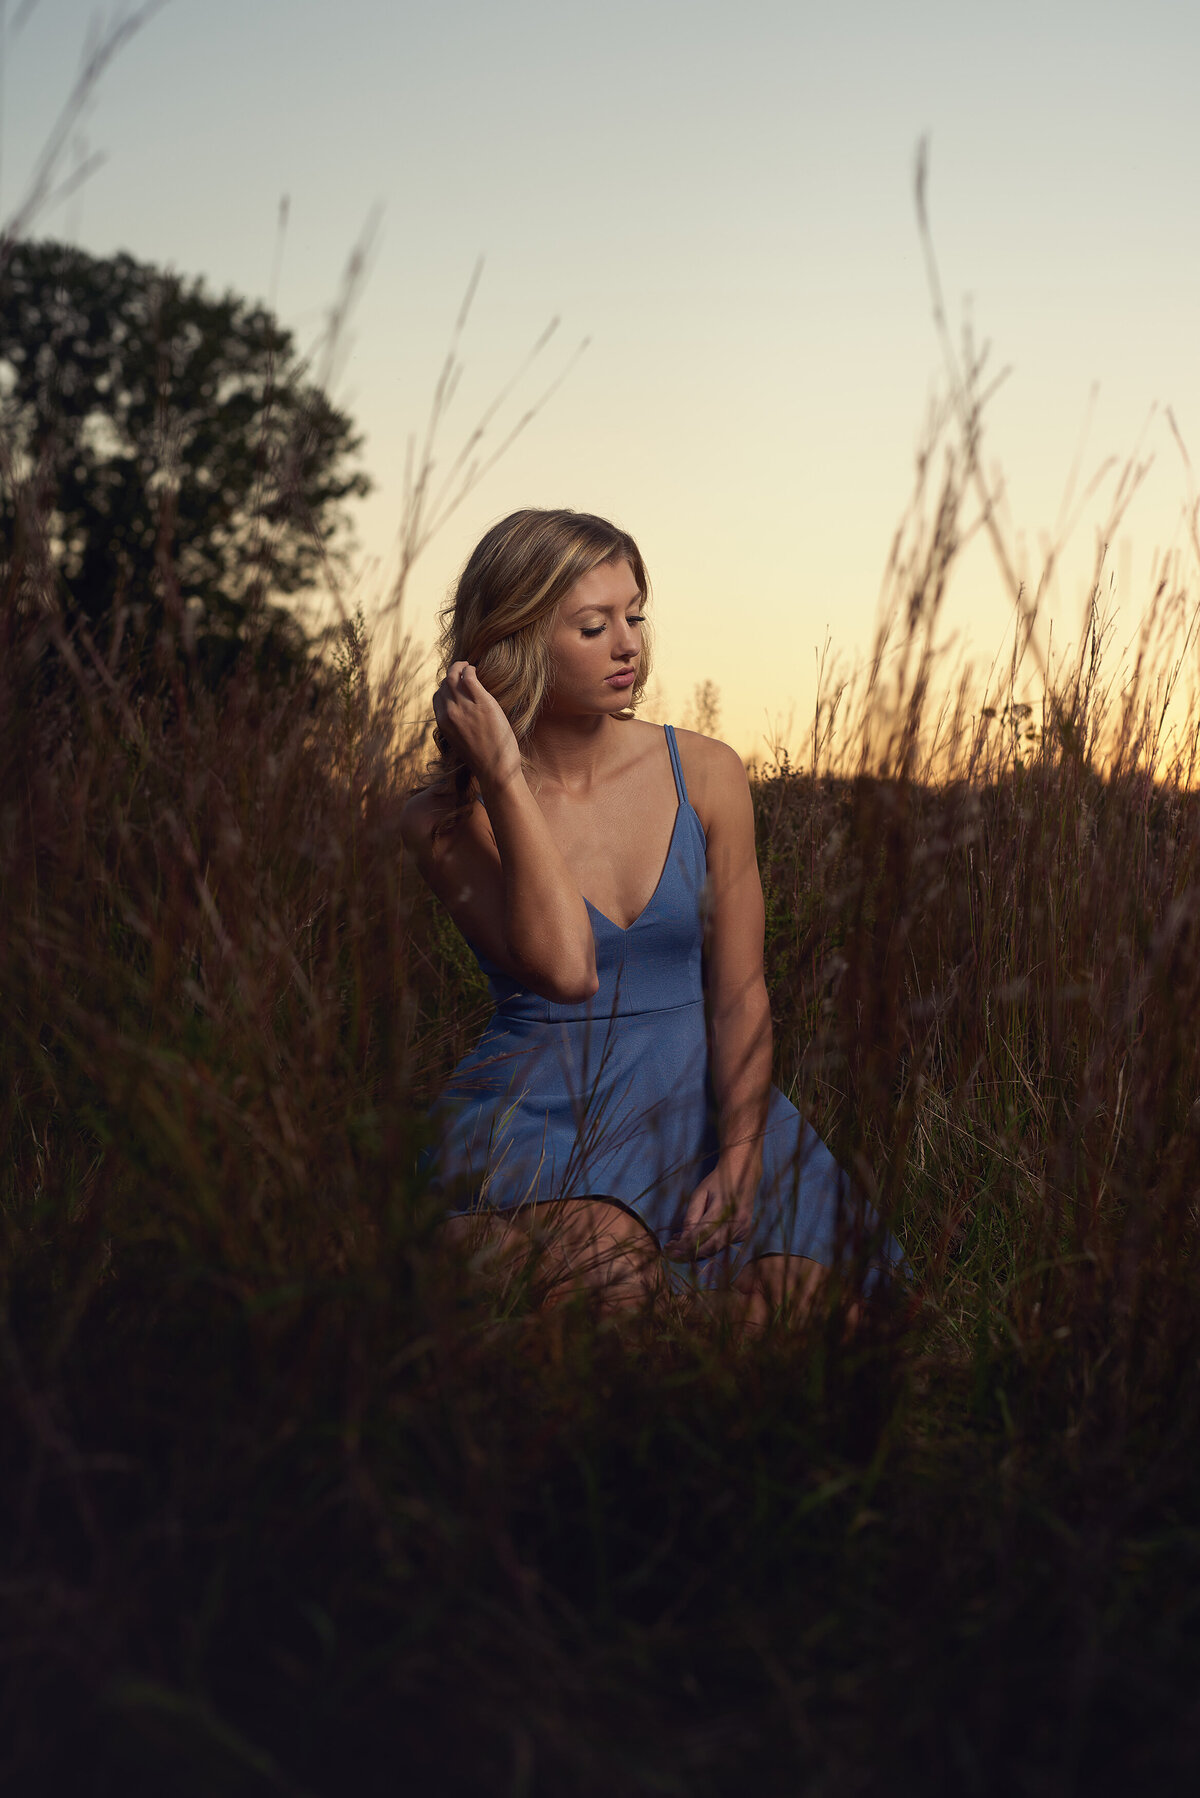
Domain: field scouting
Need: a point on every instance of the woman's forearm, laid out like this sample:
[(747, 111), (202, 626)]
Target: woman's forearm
[(546, 923), (740, 1032)]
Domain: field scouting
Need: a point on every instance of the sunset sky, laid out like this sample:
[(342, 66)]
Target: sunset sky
[(720, 198)]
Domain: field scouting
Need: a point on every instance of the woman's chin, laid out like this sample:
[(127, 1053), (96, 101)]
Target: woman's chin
[(603, 705)]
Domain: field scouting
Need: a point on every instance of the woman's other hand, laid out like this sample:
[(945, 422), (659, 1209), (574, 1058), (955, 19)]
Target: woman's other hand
[(719, 1213), (476, 725)]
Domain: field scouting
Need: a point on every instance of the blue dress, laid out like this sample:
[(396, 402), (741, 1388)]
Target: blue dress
[(611, 1097)]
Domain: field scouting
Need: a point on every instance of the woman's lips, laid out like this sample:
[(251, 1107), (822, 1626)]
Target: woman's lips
[(625, 678)]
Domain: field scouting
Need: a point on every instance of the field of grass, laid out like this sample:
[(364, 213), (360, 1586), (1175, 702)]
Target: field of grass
[(293, 1501)]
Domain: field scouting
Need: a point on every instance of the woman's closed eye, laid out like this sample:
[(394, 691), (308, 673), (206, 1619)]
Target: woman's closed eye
[(594, 630)]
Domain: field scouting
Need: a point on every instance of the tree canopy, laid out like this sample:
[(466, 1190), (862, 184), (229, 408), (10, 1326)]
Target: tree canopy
[(166, 448)]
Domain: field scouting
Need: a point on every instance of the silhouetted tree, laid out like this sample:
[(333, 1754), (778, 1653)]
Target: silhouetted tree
[(704, 713), (166, 458)]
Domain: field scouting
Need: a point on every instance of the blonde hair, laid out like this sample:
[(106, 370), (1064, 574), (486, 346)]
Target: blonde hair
[(503, 612)]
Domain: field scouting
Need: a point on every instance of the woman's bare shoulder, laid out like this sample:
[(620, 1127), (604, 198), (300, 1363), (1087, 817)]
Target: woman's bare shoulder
[(709, 766), (422, 814), (423, 825)]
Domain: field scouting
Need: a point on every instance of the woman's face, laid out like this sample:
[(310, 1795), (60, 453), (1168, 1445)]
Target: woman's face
[(596, 642)]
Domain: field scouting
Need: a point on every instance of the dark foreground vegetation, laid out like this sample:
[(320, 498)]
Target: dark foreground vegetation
[(292, 1502)]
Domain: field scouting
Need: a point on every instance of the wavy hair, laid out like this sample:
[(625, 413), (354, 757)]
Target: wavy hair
[(502, 614)]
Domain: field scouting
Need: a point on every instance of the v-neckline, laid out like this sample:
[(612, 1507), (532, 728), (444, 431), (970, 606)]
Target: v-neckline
[(680, 808)]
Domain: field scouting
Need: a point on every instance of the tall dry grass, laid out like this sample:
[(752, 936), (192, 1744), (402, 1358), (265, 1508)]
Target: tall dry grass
[(293, 1501)]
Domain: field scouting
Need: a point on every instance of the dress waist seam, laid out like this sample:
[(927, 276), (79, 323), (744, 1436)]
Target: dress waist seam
[(596, 1017)]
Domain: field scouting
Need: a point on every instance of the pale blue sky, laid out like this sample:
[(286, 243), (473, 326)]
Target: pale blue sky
[(720, 198)]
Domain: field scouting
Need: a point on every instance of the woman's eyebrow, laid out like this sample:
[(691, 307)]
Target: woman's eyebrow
[(592, 605)]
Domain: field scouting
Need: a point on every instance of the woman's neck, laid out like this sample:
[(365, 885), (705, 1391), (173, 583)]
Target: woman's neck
[(569, 752)]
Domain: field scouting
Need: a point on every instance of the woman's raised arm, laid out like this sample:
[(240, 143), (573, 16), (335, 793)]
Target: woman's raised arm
[(499, 872)]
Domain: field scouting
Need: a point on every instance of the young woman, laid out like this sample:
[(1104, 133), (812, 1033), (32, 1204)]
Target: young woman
[(603, 871)]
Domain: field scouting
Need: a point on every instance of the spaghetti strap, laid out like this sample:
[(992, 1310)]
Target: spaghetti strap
[(676, 766)]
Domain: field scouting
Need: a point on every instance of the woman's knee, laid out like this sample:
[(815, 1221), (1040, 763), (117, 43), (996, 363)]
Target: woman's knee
[(595, 1243), (778, 1283)]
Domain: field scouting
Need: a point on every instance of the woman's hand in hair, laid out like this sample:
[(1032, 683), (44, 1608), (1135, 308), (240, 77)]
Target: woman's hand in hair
[(477, 726), (498, 871)]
